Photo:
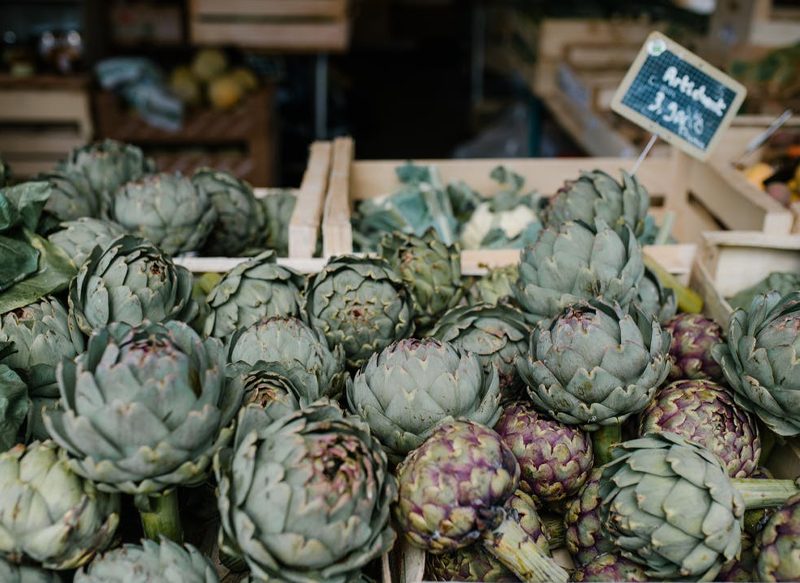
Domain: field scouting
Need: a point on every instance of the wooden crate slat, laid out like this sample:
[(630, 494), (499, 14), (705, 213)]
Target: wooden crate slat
[(323, 36), (45, 141), (284, 8), (305, 222), (337, 232)]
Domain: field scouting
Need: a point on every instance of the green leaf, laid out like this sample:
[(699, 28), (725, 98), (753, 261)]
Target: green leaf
[(54, 274), (29, 199), (8, 213), (14, 406), (19, 260)]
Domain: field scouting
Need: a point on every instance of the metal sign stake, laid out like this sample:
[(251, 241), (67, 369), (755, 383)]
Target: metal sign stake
[(643, 155)]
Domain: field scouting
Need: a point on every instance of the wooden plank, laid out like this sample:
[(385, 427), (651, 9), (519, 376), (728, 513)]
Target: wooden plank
[(225, 264), (556, 34), (715, 306), (266, 8), (47, 106), (304, 224), (40, 141), (590, 55), (324, 36), (337, 232)]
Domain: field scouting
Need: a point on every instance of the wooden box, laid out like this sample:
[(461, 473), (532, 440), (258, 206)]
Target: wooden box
[(279, 25)]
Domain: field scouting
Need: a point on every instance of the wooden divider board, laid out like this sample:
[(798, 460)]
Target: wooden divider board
[(337, 232), (305, 221)]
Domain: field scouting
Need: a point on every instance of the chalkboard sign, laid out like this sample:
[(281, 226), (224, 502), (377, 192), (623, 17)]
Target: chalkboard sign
[(678, 96)]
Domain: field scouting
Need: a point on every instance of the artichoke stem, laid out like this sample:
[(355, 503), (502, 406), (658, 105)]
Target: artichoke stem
[(555, 530), (160, 516), (516, 550), (764, 493), (603, 441)]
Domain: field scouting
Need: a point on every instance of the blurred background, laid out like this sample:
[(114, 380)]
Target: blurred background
[(246, 85)]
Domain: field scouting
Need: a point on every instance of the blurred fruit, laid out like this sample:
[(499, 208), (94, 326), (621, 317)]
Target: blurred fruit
[(209, 64), (758, 173), (185, 85), (224, 92), (246, 79)]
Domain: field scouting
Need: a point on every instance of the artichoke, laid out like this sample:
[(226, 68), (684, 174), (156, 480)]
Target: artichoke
[(152, 562), (10, 573), (270, 385), (779, 281), (656, 299), (741, 569), (597, 195), (71, 196), (430, 269), (239, 221), (42, 335), (704, 412), (585, 539), (166, 209), (107, 165), (693, 338), (578, 262), (130, 281), (412, 386), (145, 408), (610, 567), (760, 360), (361, 304), (669, 505), (555, 459), (277, 208), (78, 238), (452, 493), (256, 289), (306, 498), (301, 350), (496, 287), (14, 403), (777, 546), (497, 335), (48, 514), (475, 563), (595, 365)]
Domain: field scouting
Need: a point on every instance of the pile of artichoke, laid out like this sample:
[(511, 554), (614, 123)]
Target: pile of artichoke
[(553, 420)]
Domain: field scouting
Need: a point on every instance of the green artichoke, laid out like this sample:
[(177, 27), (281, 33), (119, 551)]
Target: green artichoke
[(152, 562), (256, 289), (497, 335), (11, 573), (760, 360), (555, 459), (704, 412), (239, 220), (452, 492), (412, 386), (301, 350), (145, 408), (71, 196), (276, 213), (578, 262), (43, 335), (359, 303), (306, 498), (107, 165), (49, 514), (776, 551), (14, 403), (78, 238), (166, 209), (496, 287), (781, 282), (669, 505), (610, 567), (595, 365), (430, 269), (693, 338), (741, 569), (130, 281), (585, 539), (654, 298), (475, 563), (270, 385), (597, 195)]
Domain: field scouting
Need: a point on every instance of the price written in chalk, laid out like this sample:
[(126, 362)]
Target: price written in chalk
[(678, 96)]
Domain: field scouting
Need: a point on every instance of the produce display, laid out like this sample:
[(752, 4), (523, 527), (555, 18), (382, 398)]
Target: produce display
[(568, 417)]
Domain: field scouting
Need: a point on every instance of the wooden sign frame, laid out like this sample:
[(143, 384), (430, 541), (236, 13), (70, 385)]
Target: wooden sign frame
[(656, 39)]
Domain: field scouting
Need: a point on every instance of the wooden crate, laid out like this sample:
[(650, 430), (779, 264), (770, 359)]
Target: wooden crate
[(241, 140), (42, 118), (278, 25), (757, 23)]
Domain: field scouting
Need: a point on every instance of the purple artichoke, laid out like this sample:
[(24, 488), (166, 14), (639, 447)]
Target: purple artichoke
[(704, 412), (584, 537), (452, 493), (778, 546), (555, 459), (693, 336), (610, 567)]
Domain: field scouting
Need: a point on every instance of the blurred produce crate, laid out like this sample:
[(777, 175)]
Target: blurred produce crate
[(42, 118), (279, 25), (241, 140)]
